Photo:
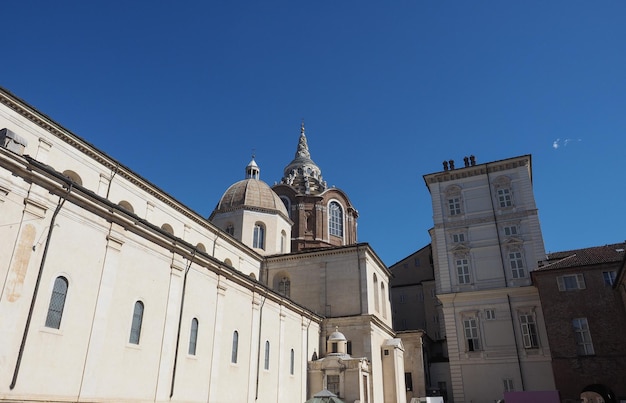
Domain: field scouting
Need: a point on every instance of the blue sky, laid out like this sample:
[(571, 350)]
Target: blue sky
[(183, 92)]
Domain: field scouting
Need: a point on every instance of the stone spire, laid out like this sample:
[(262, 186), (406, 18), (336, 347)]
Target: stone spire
[(303, 148), (302, 173)]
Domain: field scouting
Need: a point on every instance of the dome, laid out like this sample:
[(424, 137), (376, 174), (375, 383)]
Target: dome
[(251, 193), (337, 336)]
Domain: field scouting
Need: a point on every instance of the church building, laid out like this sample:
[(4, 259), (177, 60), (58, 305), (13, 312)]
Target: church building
[(113, 290)]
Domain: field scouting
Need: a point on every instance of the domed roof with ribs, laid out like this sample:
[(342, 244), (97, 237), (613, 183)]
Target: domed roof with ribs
[(251, 193)]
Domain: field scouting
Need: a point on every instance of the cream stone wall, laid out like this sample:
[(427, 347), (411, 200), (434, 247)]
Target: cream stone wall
[(112, 258), (339, 282), (414, 362), (336, 281), (484, 233)]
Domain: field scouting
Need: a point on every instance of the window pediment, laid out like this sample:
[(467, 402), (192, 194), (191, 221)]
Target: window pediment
[(514, 243), (460, 250)]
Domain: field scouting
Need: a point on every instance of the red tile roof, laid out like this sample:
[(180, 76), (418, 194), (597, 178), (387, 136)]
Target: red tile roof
[(585, 257)]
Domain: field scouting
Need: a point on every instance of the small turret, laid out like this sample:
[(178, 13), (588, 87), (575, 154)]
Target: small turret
[(252, 170)]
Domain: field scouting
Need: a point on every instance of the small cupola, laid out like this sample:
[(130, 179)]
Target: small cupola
[(252, 170), (337, 343)]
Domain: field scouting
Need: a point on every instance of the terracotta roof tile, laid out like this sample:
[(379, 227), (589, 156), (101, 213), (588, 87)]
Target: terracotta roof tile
[(585, 257)]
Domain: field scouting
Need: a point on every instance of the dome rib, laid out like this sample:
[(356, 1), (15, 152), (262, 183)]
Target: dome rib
[(251, 193)]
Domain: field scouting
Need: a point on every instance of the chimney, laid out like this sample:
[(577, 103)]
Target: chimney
[(445, 165), (451, 162), (472, 160)]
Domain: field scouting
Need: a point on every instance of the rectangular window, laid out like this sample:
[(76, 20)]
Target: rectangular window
[(529, 331), (417, 262), (609, 277), (470, 326), (508, 385), (517, 265), (454, 206), (583, 336), (510, 230), (349, 347), (408, 381), (490, 314), (462, 270), (504, 197), (402, 299), (332, 383), (456, 238), (571, 282)]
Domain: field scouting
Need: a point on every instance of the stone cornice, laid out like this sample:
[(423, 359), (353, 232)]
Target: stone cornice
[(335, 250), (476, 170), (20, 107), (47, 178), (251, 208), (461, 223), (482, 295)]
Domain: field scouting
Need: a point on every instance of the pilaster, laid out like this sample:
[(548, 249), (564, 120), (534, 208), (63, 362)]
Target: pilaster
[(218, 335), (104, 300), (257, 303), (172, 316)]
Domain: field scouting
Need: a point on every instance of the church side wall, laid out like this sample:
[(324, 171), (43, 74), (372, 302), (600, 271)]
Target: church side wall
[(111, 260), (50, 144)]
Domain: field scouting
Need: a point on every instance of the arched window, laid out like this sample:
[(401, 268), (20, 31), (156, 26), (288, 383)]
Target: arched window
[(287, 204), (135, 328), (284, 286), (384, 299), (335, 219), (193, 336), (283, 241), (291, 362), (259, 236), (375, 292), (233, 354), (126, 206), (57, 303), (167, 228), (73, 176), (266, 365)]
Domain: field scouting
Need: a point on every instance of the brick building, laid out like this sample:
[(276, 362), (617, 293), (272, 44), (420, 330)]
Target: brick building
[(586, 322)]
